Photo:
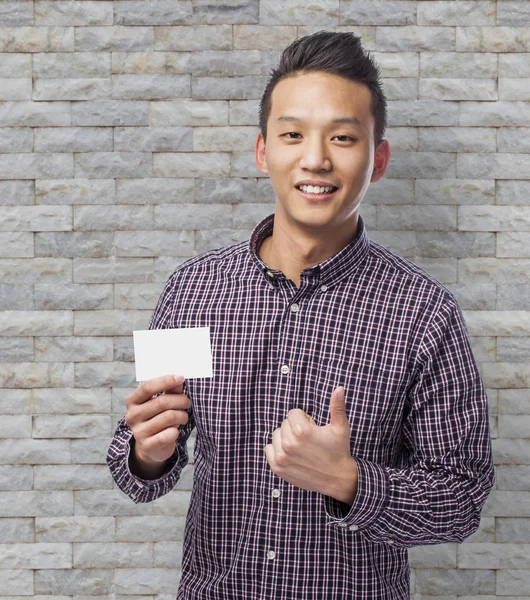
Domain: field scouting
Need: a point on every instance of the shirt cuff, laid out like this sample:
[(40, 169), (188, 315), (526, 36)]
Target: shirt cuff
[(373, 488)]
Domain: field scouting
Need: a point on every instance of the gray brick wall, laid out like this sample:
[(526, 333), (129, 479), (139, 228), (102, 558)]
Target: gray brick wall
[(123, 118)]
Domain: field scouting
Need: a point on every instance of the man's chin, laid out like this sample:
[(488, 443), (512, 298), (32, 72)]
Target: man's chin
[(316, 225), (322, 223), (315, 219)]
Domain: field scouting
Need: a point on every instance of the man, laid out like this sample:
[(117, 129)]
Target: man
[(346, 420)]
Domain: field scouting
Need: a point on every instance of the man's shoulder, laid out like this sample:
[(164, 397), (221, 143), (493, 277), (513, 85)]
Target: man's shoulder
[(407, 273), (225, 258)]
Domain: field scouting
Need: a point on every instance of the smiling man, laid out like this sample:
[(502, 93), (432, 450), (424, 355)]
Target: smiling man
[(346, 420), (321, 157)]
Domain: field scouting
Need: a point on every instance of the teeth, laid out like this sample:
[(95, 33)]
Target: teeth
[(315, 189)]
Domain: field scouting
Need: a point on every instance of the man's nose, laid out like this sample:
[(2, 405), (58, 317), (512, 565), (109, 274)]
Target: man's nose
[(314, 156)]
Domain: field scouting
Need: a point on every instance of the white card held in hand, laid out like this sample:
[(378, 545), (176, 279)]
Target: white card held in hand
[(185, 352)]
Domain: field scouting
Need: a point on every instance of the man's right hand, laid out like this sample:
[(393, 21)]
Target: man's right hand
[(155, 421)]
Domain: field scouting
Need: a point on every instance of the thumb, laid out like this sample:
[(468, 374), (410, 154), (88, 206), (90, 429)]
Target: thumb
[(337, 408), (179, 387)]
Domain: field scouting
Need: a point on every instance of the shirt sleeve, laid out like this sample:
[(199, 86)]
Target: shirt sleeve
[(439, 493), (147, 490)]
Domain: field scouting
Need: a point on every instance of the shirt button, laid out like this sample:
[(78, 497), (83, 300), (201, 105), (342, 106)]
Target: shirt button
[(295, 308), (285, 369), (342, 524), (271, 555), (354, 527), (270, 274), (276, 493), (391, 542), (323, 288)]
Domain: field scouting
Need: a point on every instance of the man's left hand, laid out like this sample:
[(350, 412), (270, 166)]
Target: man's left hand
[(316, 458)]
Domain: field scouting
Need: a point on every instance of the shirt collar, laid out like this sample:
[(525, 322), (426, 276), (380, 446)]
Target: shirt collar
[(329, 271)]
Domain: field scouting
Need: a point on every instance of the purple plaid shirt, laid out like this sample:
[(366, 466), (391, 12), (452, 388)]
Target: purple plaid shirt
[(395, 339)]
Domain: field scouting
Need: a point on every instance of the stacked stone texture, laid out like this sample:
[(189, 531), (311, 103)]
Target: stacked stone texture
[(126, 147)]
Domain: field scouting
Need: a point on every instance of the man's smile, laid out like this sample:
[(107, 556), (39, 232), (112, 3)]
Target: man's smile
[(316, 194), (316, 190)]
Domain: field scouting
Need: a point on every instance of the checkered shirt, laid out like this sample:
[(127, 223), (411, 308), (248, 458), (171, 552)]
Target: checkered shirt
[(395, 338)]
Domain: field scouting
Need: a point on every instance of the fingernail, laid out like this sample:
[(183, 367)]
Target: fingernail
[(179, 379), (340, 393)]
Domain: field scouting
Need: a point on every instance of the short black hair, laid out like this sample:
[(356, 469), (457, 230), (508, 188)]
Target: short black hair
[(329, 52)]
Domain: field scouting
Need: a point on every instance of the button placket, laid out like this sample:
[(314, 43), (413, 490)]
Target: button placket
[(287, 362)]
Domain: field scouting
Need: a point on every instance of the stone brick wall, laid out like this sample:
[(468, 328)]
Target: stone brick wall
[(123, 118)]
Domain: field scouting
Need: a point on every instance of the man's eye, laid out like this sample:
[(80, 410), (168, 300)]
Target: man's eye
[(292, 135), (344, 138)]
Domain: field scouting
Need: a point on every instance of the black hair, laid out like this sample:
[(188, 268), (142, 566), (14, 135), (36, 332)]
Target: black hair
[(328, 52)]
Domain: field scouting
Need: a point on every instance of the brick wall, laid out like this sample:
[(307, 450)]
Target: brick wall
[(123, 118)]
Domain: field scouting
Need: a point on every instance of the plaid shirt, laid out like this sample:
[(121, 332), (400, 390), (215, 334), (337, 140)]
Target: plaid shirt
[(395, 339)]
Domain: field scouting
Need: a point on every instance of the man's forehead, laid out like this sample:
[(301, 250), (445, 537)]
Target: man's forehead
[(344, 101)]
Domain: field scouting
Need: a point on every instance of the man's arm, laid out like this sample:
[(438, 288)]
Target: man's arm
[(437, 495), (142, 477), (140, 486)]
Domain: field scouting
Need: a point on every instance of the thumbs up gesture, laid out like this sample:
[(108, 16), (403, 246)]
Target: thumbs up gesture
[(316, 458)]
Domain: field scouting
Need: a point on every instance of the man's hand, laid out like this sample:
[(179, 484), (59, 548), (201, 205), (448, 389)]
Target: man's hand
[(155, 421), (316, 458)]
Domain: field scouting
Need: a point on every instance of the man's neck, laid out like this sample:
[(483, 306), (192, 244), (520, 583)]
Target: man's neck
[(292, 251)]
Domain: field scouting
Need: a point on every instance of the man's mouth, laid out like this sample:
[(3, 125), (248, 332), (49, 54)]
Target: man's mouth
[(316, 189)]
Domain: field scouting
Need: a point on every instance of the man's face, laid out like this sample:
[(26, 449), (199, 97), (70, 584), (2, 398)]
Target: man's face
[(320, 133)]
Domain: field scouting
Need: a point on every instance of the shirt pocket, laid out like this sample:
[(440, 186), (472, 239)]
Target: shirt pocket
[(375, 400)]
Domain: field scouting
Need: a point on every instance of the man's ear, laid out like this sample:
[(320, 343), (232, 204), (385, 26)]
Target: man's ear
[(259, 151), (381, 160)]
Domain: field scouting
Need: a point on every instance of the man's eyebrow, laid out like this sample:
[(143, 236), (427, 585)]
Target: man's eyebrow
[(288, 118), (339, 121), (348, 121)]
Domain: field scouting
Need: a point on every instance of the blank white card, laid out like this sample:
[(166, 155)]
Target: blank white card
[(185, 352)]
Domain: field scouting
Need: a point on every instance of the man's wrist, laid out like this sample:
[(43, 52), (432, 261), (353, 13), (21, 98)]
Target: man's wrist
[(345, 488), (143, 467)]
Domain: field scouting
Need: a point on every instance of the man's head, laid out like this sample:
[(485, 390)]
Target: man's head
[(334, 53), (321, 152)]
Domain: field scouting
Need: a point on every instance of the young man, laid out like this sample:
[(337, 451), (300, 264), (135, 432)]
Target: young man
[(346, 420)]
